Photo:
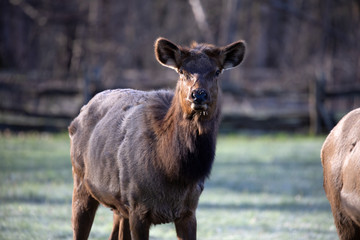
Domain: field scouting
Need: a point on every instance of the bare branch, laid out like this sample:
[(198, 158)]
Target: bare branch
[(30, 11), (200, 18)]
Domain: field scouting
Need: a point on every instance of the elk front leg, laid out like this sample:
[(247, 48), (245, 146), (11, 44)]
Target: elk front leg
[(84, 207), (186, 228), (139, 227), (121, 228), (346, 228)]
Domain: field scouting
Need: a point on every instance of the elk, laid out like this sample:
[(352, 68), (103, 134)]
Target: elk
[(340, 158), (146, 154)]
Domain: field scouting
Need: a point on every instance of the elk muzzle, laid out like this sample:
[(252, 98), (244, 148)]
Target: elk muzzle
[(199, 99)]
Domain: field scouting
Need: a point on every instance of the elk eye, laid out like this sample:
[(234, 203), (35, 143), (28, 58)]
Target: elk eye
[(217, 73)]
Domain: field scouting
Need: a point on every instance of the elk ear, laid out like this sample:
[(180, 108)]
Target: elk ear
[(167, 53), (233, 54)]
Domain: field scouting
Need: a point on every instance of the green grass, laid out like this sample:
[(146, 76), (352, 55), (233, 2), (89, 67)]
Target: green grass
[(267, 187)]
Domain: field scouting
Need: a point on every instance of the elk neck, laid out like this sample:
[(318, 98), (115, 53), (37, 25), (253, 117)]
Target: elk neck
[(185, 145)]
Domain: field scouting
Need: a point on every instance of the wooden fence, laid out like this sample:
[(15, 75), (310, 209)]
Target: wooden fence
[(323, 118), (263, 104)]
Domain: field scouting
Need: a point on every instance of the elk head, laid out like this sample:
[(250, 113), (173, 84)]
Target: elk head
[(199, 68)]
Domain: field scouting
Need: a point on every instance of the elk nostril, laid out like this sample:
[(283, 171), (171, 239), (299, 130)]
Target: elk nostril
[(199, 96), (193, 95), (203, 94)]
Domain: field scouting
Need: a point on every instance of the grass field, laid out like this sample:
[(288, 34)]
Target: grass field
[(262, 187)]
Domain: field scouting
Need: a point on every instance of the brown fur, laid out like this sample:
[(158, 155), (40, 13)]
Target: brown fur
[(146, 154), (340, 156)]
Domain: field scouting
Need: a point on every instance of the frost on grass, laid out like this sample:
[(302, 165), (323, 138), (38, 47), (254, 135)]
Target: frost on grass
[(260, 188)]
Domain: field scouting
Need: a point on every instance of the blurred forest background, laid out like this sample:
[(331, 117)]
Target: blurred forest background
[(301, 71)]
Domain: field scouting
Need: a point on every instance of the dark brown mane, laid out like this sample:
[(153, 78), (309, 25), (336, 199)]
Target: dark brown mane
[(190, 142)]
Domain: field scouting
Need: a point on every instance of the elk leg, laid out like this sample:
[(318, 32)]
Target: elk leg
[(116, 224), (84, 207), (347, 214), (186, 228), (346, 228), (121, 228), (139, 228), (124, 229)]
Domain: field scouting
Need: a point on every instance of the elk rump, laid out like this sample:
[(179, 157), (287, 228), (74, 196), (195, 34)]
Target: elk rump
[(340, 157)]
